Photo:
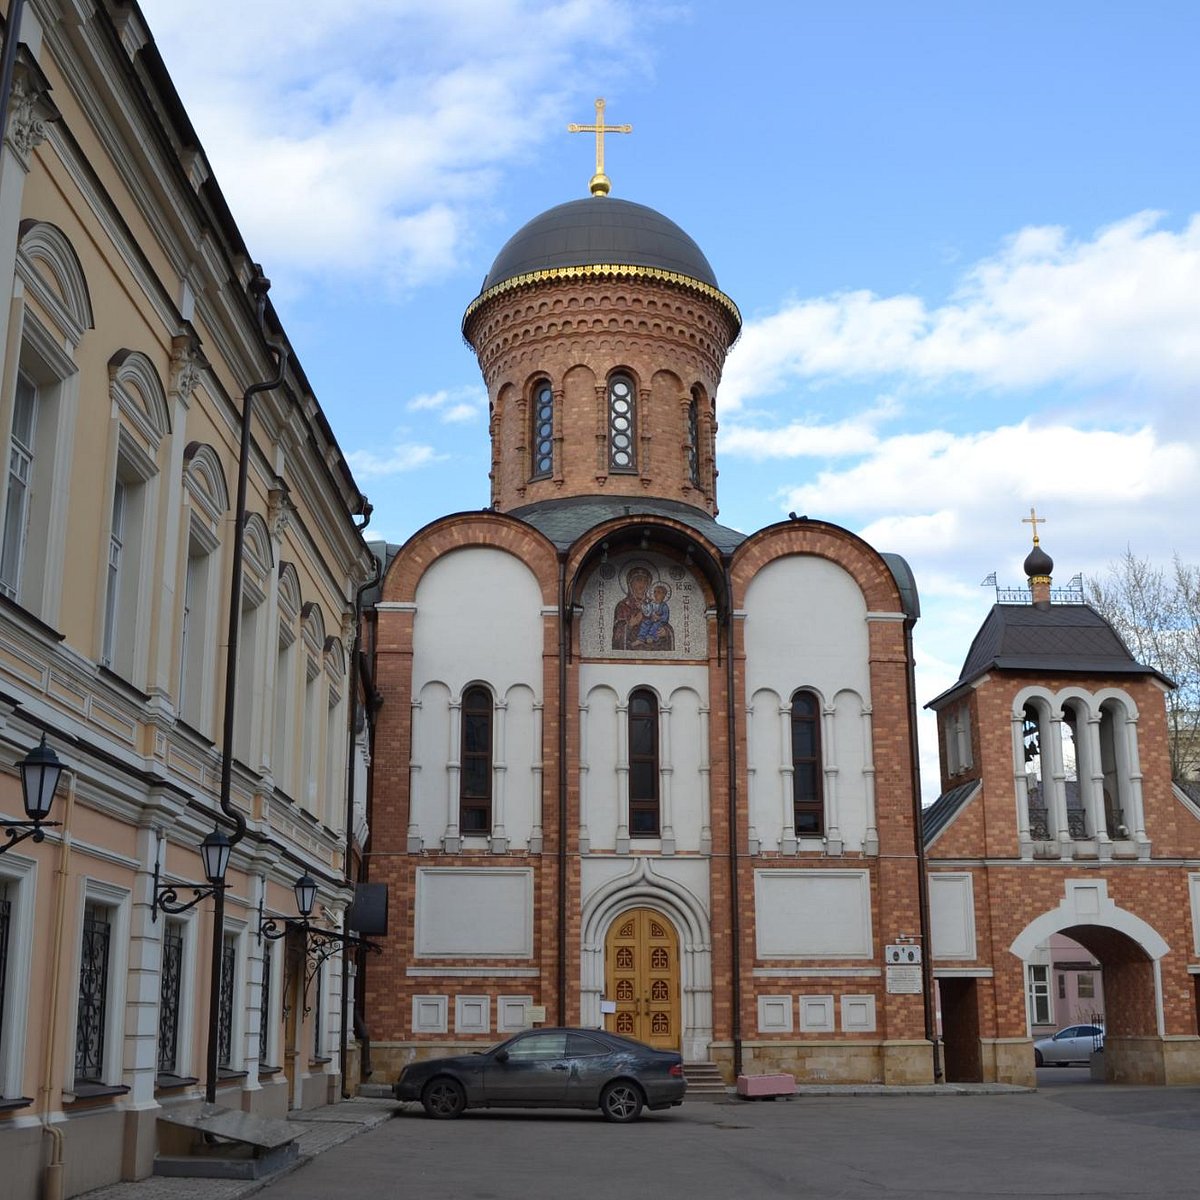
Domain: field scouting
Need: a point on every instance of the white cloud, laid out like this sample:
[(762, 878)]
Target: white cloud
[(454, 406), (810, 438), (361, 138), (909, 477), (366, 464), (1045, 309)]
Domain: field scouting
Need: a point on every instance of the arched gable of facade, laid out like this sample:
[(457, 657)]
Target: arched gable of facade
[(862, 562), (625, 532), (490, 530)]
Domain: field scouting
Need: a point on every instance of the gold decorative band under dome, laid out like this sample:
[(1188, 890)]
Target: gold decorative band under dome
[(604, 270)]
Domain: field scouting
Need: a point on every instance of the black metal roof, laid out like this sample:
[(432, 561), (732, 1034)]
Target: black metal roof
[(596, 231), (1071, 638), (945, 808), (565, 521)]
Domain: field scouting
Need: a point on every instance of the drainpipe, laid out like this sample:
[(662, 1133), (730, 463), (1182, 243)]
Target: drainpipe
[(352, 692), (258, 288), (563, 645), (735, 921), (53, 1176), (919, 840)]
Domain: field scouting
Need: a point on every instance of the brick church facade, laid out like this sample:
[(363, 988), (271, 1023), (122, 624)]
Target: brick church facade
[(635, 769)]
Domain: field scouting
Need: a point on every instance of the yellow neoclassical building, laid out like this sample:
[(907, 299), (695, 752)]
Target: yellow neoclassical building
[(132, 330)]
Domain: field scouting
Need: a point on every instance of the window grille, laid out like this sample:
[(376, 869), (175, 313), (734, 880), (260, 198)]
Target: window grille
[(20, 473), (264, 1010), (168, 998), (93, 995), (225, 1011)]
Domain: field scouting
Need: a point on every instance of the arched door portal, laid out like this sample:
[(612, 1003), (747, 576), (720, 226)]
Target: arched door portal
[(641, 974)]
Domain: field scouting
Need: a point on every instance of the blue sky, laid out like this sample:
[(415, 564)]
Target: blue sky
[(965, 239)]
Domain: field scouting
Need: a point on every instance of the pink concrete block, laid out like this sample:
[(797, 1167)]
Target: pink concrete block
[(752, 1086)]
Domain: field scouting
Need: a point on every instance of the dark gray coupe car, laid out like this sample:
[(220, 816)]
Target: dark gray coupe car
[(549, 1068)]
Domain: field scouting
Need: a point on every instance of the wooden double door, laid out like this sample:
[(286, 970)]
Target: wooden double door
[(641, 974)]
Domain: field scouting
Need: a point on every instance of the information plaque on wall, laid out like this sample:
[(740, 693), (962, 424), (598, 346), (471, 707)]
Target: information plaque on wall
[(903, 980)]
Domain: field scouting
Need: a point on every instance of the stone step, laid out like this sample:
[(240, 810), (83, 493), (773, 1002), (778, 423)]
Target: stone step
[(704, 1079)]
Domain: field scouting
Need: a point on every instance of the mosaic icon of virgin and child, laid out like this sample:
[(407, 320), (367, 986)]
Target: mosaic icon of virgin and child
[(642, 618)]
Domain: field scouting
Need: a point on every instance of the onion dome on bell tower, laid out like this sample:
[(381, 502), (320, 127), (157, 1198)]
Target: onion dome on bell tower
[(601, 333), (1038, 564)]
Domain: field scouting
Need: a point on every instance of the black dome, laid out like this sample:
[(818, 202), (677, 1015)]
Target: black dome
[(599, 231), (1038, 562)]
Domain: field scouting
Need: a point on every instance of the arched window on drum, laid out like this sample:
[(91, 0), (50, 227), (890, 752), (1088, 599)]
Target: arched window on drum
[(542, 439), (622, 423)]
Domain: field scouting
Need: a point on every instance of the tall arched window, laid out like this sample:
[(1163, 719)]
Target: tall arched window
[(693, 440), (543, 430), (643, 764), (475, 779), (622, 424), (806, 764)]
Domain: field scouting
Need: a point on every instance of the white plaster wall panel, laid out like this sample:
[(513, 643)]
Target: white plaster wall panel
[(430, 751), (479, 617), (806, 625), (858, 1014), (774, 1014), (952, 914), (472, 1014), (520, 802), (601, 783), (813, 913), (816, 1014), (849, 755), (512, 1013), (686, 756), (474, 912), (429, 1014), (766, 788)]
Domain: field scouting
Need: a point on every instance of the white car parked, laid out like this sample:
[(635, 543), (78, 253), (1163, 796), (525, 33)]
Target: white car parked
[(1075, 1044)]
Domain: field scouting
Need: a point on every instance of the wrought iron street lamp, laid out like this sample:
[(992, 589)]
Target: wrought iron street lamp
[(41, 770), (319, 944), (214, 855)]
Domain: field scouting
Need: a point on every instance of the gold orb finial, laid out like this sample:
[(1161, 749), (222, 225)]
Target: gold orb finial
[(600, 185)]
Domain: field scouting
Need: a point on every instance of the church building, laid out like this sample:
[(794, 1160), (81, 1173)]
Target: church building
[(632, 768)]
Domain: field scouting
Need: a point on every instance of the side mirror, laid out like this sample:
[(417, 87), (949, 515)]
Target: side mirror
[(501, 1056)]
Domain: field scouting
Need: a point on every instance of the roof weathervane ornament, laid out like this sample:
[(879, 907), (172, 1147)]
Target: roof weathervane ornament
[(1034, 520), (600, 183)]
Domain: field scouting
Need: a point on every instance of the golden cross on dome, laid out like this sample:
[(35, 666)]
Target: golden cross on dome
[(1034, 520), (600, 183)]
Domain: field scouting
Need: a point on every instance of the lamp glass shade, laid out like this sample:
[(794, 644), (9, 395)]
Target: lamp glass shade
[(306, 894), (214, 853), (40, 771)]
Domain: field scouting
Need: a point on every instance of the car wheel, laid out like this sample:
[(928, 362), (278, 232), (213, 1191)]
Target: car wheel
[(443, 1099), (1038, 1060), (621, 1101)]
